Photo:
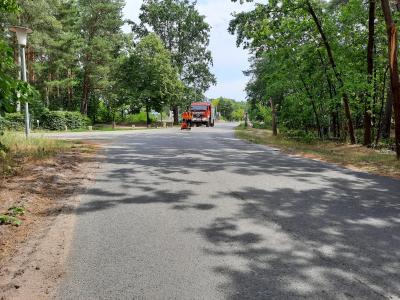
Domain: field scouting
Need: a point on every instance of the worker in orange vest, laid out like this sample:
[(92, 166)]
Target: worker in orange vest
[(187, 117)]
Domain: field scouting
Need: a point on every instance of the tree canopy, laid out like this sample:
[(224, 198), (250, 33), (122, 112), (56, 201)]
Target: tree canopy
[(148, 75), (186, 35), (77, 54), (323, 63)]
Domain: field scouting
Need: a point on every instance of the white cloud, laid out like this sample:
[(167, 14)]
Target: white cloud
[(233, 89), (131, 12), (229, 61)]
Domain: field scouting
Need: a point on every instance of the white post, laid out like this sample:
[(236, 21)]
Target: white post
[(18, 108), (23, 77)]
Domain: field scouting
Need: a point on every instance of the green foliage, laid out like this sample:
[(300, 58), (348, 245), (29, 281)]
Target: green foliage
[(303, 136), (292, 66), (8, 6), (148, 75), (76, 52), (238, 114), (75, 120), (15, 118), (13, 121), (7, 84), (139, 118), (4, 124), (265, 113), (9, 220), (229, 109), (185, 33), (104, 45), (60, 120), (54, 120), (16, 211)]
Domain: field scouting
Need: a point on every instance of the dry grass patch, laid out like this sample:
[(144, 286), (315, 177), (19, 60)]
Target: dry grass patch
[(380, 162), (17, 150)]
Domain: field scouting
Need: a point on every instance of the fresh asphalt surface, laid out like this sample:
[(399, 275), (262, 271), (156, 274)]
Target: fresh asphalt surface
[(202, 215)]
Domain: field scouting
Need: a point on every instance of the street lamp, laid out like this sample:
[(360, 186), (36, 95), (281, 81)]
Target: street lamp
[(22, 36)]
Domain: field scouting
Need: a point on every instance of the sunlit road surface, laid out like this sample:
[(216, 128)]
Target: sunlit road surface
[(203, 215)]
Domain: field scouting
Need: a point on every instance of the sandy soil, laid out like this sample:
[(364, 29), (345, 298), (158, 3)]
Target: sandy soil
[(32, 255)]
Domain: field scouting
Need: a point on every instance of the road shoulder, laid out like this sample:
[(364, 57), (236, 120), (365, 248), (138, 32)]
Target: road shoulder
[(32, 255), (354, 157)]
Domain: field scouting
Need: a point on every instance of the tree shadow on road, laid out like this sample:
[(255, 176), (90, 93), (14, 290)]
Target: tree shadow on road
[(338, 242)]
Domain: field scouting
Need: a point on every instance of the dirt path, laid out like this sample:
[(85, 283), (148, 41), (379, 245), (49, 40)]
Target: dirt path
[(32, 255)]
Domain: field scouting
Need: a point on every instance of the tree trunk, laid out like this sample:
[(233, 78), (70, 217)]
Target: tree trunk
[(333, 124), (328, 48), (48, 92), (367, 127), (394, 72), (69, 91), (175, 109), (338, 123), (313, 106), (379, 126), (274, 122), (147, 116), (370, 71), (86, 93), (387, 120)]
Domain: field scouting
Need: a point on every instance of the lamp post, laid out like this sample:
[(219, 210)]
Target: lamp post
[(22, 36)]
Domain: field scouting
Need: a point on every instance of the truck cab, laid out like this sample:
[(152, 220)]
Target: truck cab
[(203, 114)]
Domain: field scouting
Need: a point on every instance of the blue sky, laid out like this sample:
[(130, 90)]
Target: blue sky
[(229, 61)]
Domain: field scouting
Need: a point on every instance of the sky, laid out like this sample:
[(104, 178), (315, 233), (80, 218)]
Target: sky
[(229, 61)]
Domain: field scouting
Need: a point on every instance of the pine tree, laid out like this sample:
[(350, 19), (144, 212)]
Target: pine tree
[(100, 26)]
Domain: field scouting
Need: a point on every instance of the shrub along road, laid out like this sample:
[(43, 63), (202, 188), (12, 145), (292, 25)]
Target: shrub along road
[(202, 215)]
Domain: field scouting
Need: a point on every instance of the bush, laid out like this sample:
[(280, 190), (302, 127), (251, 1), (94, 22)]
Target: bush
[(75, 120), (12, 121), (54, 120), (4, 124), (15, 117), (59, 120), (304, 136), (139, 118), (261, 125)]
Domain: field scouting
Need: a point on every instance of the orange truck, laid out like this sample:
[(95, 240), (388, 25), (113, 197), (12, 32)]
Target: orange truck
[(203, 114)]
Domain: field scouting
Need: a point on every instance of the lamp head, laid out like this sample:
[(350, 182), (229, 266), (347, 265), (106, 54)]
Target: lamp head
[(22, 34)]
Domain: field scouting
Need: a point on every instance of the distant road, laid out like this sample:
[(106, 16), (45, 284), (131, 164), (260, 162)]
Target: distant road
[(97, 134), (202, 215)]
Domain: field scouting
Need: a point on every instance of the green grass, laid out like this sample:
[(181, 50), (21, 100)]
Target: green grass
[(17, 148), (379, 162)]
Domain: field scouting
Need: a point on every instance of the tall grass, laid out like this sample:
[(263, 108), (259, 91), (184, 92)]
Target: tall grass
[(379, 162), (17, 148)]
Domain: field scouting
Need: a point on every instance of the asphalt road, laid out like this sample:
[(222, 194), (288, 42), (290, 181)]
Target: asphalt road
[(202, 215)]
